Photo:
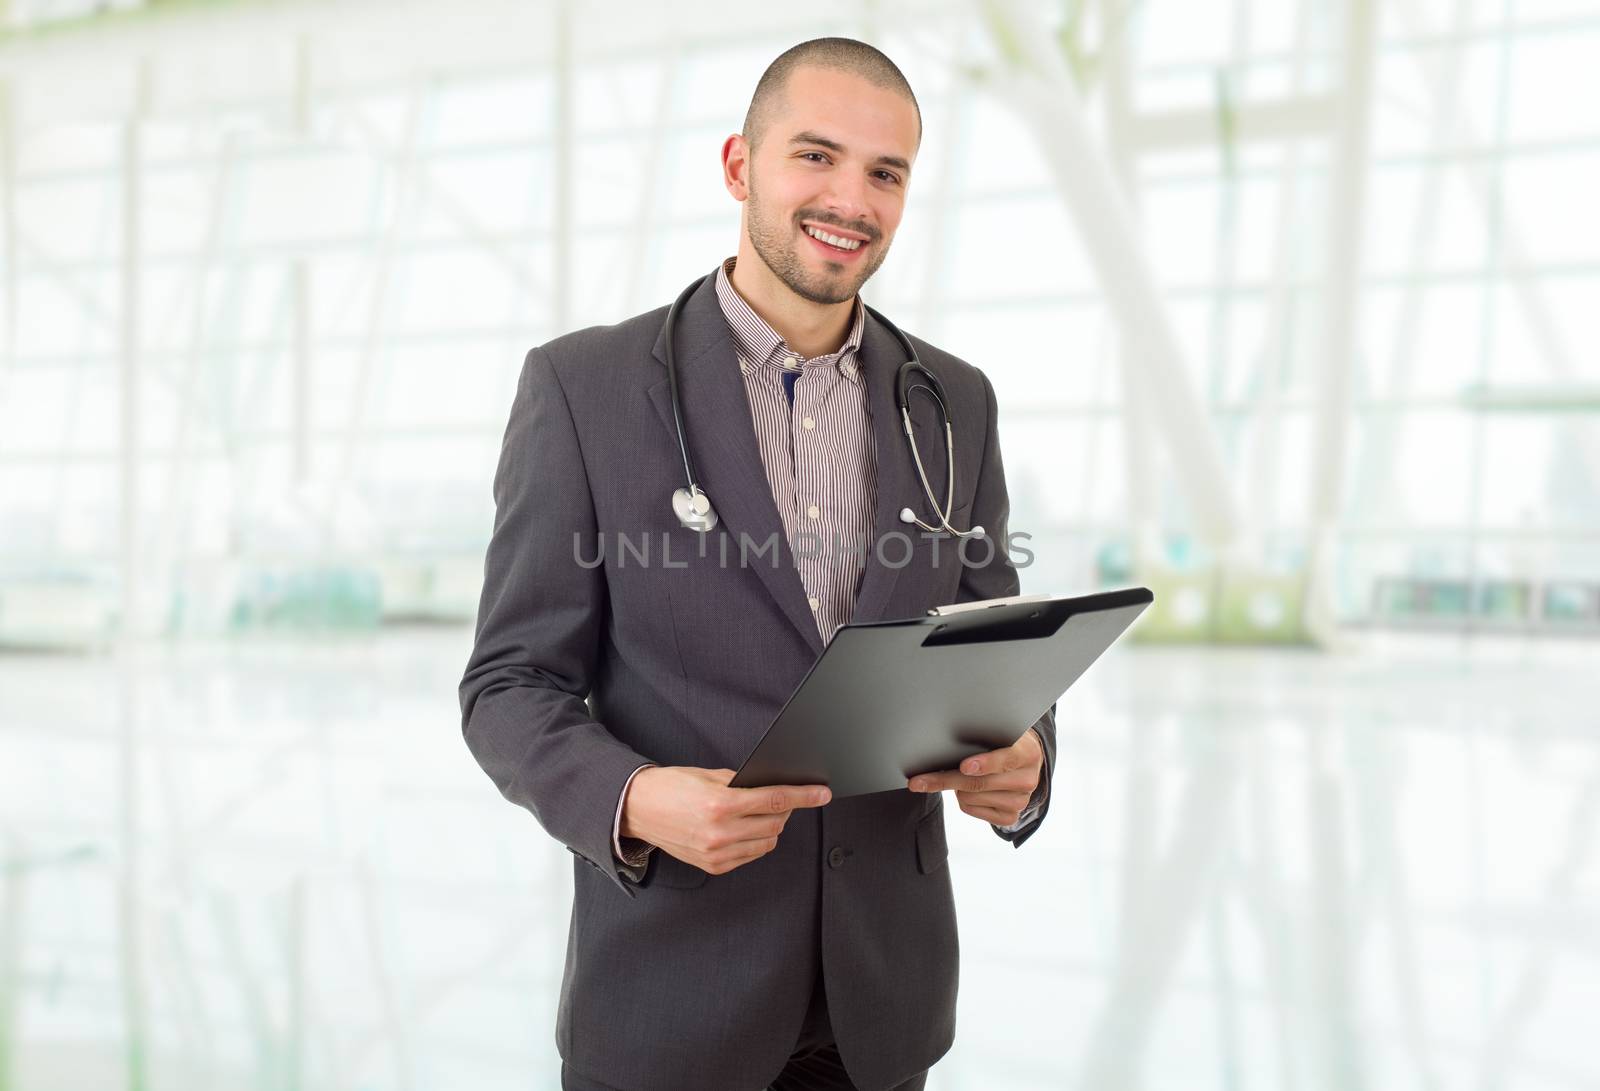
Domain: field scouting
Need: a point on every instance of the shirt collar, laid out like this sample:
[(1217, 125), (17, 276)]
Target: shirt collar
[(762, 350)]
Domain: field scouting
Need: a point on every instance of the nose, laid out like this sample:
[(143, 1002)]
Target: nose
[(847, 197)]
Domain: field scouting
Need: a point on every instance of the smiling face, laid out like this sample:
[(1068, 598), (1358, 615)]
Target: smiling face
[(826, 184)]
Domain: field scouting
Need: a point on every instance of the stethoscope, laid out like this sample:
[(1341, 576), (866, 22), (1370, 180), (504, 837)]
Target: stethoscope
[(693, 506)]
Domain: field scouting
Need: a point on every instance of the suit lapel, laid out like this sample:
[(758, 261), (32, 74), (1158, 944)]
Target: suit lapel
[(721, 436), (897, 486)]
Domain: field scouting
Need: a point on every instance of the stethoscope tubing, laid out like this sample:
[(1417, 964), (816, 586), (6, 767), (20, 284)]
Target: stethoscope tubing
[(904, 386)]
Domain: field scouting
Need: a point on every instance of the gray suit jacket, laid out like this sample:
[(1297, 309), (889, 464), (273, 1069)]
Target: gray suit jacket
[(675, 979)]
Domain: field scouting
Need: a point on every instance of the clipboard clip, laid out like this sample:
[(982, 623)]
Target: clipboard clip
[(983, 604)]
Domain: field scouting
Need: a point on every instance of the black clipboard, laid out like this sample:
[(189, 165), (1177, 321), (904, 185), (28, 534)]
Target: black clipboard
[(887, 700)]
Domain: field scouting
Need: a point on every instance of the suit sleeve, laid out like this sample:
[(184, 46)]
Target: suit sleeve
[(989, 574), (536, 645)]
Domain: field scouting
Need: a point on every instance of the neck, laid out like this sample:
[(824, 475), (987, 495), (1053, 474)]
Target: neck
[(811, 329)]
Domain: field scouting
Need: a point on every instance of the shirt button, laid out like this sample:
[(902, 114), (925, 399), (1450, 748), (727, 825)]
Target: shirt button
[(816, 603), (836, 857), (809, 423), (813, 511)]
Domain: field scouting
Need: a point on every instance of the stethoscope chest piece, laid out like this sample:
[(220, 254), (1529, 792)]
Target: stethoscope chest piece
[(693, 509)]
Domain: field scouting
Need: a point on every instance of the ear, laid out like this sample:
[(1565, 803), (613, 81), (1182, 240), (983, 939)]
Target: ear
[(736, 166)]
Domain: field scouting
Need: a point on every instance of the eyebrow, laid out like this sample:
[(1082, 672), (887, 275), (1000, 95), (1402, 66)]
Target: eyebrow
[(809, 137)]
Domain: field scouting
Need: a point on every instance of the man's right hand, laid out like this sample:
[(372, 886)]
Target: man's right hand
[(693, 815)]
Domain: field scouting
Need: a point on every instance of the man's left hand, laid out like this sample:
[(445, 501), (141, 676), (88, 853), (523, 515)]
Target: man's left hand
[(995, 786)]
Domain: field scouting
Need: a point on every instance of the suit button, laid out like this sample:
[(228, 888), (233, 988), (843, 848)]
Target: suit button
[(836, 857)]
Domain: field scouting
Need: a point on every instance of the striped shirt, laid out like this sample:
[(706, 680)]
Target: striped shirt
[(817, 451)]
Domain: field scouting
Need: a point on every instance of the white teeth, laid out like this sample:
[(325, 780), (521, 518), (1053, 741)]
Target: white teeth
[(833, 240)]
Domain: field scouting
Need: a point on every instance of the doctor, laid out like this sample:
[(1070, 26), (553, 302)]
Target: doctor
[(630, 653)]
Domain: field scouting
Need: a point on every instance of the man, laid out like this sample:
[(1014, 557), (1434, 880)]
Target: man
[(724, 938)]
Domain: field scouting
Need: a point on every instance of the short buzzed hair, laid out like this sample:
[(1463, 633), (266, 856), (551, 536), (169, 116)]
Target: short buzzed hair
[(839, 54)]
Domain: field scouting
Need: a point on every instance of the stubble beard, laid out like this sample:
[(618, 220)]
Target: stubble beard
[(776, 245)]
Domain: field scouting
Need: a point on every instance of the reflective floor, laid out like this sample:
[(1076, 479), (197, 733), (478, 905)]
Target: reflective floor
[(275, 866)]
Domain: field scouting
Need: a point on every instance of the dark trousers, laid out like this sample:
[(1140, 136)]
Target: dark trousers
[(813, 1066)]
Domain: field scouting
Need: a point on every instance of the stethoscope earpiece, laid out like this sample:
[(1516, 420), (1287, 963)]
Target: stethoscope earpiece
[(693, 507)]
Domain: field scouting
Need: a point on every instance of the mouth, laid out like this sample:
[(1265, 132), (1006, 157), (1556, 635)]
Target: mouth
[(836, 244)]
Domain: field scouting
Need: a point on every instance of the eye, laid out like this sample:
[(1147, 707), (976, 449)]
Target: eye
[(888, 176), (819, 155)]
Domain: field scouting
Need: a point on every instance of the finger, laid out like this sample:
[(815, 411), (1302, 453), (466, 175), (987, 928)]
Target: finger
[(978, 765), (748, 847), (938, 782), (779, 798), (1013, 781), (740, 854), (754, 827), (997, 800), (995, 761), (997, 815), (730, 832), (731, 838)]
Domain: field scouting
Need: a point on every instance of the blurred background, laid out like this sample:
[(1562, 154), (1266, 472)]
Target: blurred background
[(1291, 308)]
